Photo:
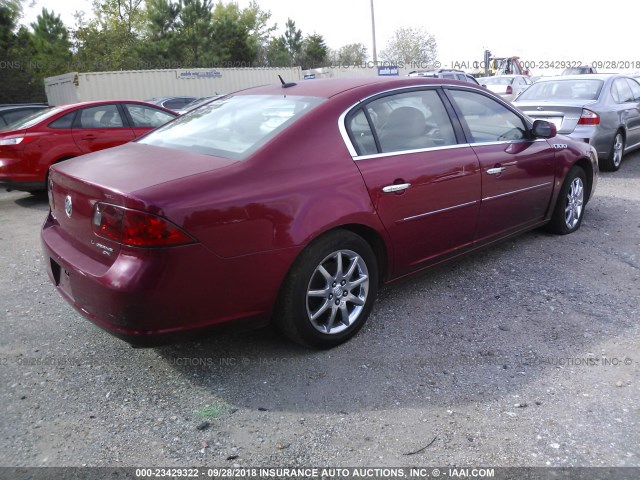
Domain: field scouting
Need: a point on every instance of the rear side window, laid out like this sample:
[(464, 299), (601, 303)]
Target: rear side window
[(488, 120), (147, 117), (361, 134), (102, 116), (411, 121), (621, 91), (64, 122)]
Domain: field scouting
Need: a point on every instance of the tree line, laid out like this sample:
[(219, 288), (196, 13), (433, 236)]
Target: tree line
[(150, 34)]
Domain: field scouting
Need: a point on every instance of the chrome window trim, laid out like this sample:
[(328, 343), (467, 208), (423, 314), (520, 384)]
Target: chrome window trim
[(484, 199), (341, 120), (505, 142), (408, 152), (408, 219), (354, 154)]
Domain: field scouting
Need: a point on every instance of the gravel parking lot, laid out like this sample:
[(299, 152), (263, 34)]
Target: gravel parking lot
[(525, 354)]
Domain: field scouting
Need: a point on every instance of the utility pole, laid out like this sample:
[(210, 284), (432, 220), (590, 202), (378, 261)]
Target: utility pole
[(373, 31)]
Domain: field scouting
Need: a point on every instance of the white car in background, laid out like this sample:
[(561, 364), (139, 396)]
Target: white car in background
[(507, 86)]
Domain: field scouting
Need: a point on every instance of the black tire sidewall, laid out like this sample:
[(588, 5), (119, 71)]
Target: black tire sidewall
[(558, 222), (609, 164)]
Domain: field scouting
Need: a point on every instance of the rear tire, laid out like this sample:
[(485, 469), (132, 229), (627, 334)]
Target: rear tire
[(612, 163), (329, 292), (569, 210)]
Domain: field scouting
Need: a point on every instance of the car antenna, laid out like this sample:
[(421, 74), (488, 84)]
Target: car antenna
[(285, 84)]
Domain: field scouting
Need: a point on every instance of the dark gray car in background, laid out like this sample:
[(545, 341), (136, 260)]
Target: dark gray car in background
[(601, 109)]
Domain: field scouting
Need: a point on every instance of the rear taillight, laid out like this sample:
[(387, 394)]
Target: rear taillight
[(509, 90), (135, 228), (589, 118), (50, 193), (16, 142)]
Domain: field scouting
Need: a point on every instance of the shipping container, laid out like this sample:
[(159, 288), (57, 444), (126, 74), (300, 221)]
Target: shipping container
[(146, 84)]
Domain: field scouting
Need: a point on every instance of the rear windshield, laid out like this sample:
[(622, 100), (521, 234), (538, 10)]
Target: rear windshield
[(34, 118), (563, 90), (497, 81), (232, 127)]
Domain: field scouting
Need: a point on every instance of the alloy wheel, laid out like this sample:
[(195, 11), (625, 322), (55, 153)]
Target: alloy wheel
[(575, 201), (337, 292)]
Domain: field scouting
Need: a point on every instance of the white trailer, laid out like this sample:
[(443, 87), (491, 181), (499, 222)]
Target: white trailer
[(145, 84)]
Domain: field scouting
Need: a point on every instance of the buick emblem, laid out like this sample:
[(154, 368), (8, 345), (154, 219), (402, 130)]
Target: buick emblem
[(68, 206), (540, 108)]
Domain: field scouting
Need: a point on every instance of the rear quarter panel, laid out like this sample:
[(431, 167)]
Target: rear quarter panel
[(52, 146), (298, 186), (566, 158)]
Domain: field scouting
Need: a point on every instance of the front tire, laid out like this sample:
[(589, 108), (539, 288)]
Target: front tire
[(569, 210), (329, 292), (612, 163)]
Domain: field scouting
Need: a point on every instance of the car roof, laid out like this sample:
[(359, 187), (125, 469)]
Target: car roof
[(330, 87), (104, 102)]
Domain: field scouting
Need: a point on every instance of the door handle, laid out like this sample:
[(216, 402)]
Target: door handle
[(89, 136), (496, 170), (396, 188)]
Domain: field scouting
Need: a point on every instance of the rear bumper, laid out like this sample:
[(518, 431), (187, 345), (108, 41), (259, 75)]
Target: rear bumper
[(13, 175), (155, 296), (597, 137)]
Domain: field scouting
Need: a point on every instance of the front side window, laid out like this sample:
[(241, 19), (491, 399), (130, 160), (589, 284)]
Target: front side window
[(147, 117), (411, 121), (102, 116), (488, 120), (635, 89), (232, 127)]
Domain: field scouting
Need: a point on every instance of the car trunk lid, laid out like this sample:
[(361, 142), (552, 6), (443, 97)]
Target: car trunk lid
[(565, 115), (113, 177)]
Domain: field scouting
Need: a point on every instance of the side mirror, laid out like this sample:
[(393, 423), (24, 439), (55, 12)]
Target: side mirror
[(543, 129)]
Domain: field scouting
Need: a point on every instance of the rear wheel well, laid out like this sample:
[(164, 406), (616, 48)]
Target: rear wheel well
[(62, 160), (377, 244), (586, 165)]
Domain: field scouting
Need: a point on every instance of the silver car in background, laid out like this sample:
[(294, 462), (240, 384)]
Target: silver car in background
[(507, 86), (600, 109)]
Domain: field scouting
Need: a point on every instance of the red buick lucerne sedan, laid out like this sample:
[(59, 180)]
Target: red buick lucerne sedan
[(30, 146), (292, 204)]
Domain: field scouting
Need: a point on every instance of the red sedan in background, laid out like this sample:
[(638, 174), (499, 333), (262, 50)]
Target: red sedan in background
[(293, 203), (35, 143)]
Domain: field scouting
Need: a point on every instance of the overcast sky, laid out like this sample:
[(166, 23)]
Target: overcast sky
[(544, 31)]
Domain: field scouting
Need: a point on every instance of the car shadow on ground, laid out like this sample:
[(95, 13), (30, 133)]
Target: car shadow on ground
[(474, 330), (39, 200)]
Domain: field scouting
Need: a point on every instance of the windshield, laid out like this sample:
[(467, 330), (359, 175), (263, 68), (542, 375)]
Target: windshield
[(563, 90), (199, 101), (33, 119), (232, 127), (497, 81)]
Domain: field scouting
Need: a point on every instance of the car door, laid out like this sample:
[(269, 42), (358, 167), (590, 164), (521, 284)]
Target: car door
[(100, 127), (629, 95), (517, 172), (424, 184), (144, 118)]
